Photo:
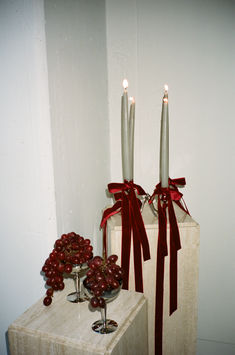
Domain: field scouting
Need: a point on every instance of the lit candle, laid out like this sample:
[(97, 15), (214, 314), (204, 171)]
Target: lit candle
[(164, 142), (132, 128), (126, 166)]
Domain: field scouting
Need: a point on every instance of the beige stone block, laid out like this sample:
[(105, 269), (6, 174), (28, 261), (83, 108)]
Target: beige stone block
[(64, 328), (180, 329)]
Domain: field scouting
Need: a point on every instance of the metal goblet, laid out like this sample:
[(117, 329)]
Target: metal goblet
[(104, 325), (78, 271)]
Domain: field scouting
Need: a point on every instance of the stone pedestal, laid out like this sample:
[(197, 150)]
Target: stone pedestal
[(179, 329), (64, 328)]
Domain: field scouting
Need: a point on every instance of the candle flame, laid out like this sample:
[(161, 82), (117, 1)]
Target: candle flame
[(125, 84), (165, 100), (166, 87)]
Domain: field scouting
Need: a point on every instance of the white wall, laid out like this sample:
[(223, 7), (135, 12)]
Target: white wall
[(190, 46), (27, 203), (54, 143), (76, 49)]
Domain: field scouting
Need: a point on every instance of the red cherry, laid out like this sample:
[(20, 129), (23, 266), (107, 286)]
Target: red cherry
[(50, 292), (101, 302), (75, 246), (66, 241), (94, 302), (75, 260), (61, 285), (48, 262), (72, 234), (58, 242), (68, 258), (53, 256), (113, 258), (92, 266), (58, 278), (48, 273), (109, 271), (87, 242), (98, 292), (55, 286), (99, 278), (68, 268), (59, 247), (47, 301), (64, 236), (115, 284), (55, 264), (97, 261), (114, 267), (95, 286), (103, 285), (80, 240), (87, 255), (61, 255), (91, 284), (48, 282), (109, 280), (45, 268), (53, 273), (120, 273), (60, 267), (90, 273)]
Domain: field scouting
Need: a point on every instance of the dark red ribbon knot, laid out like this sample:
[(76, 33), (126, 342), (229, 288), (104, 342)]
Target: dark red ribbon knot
[(165, 198), (132, 224)]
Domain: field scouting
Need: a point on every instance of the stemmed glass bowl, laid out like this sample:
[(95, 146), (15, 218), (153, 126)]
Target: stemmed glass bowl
[(78, 271), (104, 325)]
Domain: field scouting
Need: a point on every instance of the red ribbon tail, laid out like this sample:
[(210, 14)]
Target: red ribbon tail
[(159, 301), (174, 247), (161, 253), (110, 212), (126, 241), (139, 226), (173, 279), (137, 258)]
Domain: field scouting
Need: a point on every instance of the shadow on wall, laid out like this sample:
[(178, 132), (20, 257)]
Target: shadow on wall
[(7, 343)]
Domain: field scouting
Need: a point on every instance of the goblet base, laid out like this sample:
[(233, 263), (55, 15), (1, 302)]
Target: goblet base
[(75, 297), (99, 326)]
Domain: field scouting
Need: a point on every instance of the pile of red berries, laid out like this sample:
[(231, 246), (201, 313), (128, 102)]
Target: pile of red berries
[(71, 249), (102, 276)]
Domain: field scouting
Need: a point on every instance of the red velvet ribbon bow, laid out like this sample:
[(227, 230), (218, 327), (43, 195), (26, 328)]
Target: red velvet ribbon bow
[(132, 224), (165, 198)]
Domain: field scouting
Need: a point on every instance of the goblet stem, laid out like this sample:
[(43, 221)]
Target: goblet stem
[(76, 296), (77, 284), (104, 315)]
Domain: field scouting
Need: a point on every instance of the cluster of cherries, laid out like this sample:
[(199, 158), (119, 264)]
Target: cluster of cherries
[(103, 275), (71, 249)]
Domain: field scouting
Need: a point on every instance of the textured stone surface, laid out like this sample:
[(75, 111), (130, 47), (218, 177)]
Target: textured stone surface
[(180, 329), (64, 328)]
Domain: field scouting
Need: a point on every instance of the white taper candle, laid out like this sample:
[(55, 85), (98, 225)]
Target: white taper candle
[(164, 141), (125, 134)]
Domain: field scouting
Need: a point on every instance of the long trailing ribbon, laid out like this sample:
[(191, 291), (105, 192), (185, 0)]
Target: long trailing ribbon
[(165, 198), (132, 224)]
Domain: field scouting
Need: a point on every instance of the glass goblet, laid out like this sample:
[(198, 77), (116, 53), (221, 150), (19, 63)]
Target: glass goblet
[(78, 271), (104, 325)]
